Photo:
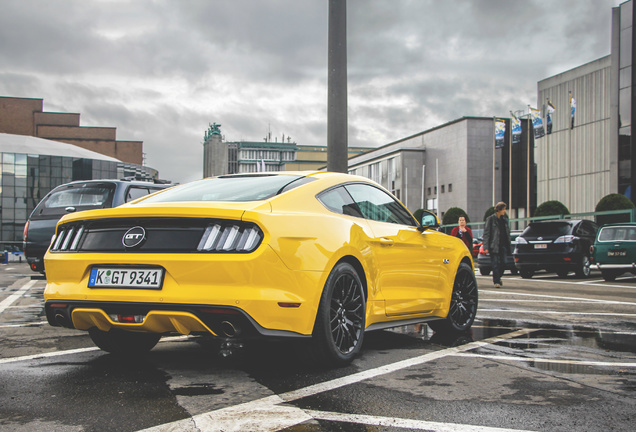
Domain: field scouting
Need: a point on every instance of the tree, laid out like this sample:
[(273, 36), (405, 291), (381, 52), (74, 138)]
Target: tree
[(613, 201), (551, 208), (489, 212), (452, 216)]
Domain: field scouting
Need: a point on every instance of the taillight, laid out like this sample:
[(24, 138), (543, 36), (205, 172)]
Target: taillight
[(67, 238), (26, 228), (232, 237), (566, 239)]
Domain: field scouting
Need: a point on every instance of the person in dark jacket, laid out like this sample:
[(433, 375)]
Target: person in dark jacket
[(497, 241), (464, 233)]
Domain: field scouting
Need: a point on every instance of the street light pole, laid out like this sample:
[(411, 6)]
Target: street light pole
[(337, 152)]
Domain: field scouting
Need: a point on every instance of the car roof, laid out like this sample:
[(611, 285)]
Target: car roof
[(115, 182), (627, 224), (568, 221)]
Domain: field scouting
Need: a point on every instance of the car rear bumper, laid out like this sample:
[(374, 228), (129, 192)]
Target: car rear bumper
[(221, 321), (550, 262), (600, 266)]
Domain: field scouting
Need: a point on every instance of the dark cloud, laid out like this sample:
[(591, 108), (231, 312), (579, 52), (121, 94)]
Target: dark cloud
[(162, 71)]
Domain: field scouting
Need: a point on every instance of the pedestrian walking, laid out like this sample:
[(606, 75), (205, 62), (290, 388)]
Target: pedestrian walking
[(464, 233), (497, 241)]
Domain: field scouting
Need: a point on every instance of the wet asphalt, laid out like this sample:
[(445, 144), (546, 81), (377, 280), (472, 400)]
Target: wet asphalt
[(545, 354)]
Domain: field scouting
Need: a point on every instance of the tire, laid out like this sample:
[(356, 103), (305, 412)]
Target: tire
[(562, 273), (339, 328), (484, 271), (463, 303), (608, 275), (526, 274), (584, 269), (123, 342)]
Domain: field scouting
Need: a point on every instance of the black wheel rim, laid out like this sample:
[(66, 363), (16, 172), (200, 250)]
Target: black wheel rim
[(463, 305), (346, 316)]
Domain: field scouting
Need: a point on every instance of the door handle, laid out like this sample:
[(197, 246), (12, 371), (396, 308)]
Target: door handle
[(386, 241)]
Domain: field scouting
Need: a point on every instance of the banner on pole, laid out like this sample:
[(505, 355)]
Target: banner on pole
[(537, 122), (500, 133), (516, 128)]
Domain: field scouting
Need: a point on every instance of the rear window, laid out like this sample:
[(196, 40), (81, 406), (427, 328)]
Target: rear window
[(231, 188), (76, 198), (548, 229), (617, 233)]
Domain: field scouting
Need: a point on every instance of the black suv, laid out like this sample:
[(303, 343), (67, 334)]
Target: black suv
[(558, 246), (72, 197)]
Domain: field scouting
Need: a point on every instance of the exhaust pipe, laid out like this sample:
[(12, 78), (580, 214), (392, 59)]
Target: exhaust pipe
[(61, 320), (230, 330)]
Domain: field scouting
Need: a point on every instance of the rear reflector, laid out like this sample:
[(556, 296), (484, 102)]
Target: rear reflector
[(288, 305)]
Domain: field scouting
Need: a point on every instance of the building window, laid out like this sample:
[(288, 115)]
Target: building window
[(450, 187), (442, 188), (429, 191), (435, 190)]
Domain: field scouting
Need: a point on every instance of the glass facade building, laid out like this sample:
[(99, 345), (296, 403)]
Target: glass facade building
[(27, 177)]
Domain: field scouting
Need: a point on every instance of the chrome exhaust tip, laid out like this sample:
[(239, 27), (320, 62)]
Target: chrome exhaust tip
[(230, 330)]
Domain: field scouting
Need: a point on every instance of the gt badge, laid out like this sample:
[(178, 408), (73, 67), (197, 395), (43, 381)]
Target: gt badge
[(134, 237)]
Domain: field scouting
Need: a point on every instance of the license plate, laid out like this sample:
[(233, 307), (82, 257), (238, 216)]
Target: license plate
[(541, 246), (119, 277), (617, 253)]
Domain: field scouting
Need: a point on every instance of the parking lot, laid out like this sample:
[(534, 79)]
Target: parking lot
[(545, 354)]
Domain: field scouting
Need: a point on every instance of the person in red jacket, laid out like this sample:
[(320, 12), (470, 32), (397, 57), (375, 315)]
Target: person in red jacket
[(463, 232)]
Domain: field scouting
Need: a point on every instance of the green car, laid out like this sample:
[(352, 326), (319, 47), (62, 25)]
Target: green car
[(614, 250)]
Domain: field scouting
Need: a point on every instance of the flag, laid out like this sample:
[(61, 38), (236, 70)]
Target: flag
[(572, 110), (537, 123), (516, 128), (500, 132), (548, 117)]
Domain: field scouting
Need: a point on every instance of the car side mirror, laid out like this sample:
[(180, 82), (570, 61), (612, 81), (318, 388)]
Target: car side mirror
[(429, 220)]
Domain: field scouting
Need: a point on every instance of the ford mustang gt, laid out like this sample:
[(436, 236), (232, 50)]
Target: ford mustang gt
[(317, 255)]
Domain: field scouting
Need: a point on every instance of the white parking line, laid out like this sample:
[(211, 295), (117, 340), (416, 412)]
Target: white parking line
[(403, 423), (556, 361), (266, 415), (67, 352), (539, 280), (542, 312), (580, 299), (4, 304)]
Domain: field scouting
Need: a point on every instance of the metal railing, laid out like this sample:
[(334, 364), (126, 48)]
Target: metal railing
[(521, 223)]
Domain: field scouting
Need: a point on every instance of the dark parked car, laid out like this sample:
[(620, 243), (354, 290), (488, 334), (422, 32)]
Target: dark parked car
[(558, 246), (614, 251), (483, 259), (73, 197)]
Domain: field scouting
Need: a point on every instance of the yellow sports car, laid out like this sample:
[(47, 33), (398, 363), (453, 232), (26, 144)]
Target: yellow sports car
[(320, 255)]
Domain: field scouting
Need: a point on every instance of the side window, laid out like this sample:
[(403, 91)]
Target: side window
[(375, 204), (586, 229), (136, 192), (338, 200)]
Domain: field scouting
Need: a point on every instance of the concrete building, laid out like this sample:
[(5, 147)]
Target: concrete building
[(448, 166), (221, 157), (25, 116), (580, 164)]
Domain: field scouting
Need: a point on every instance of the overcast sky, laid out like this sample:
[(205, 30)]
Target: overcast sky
[(162, 71)]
